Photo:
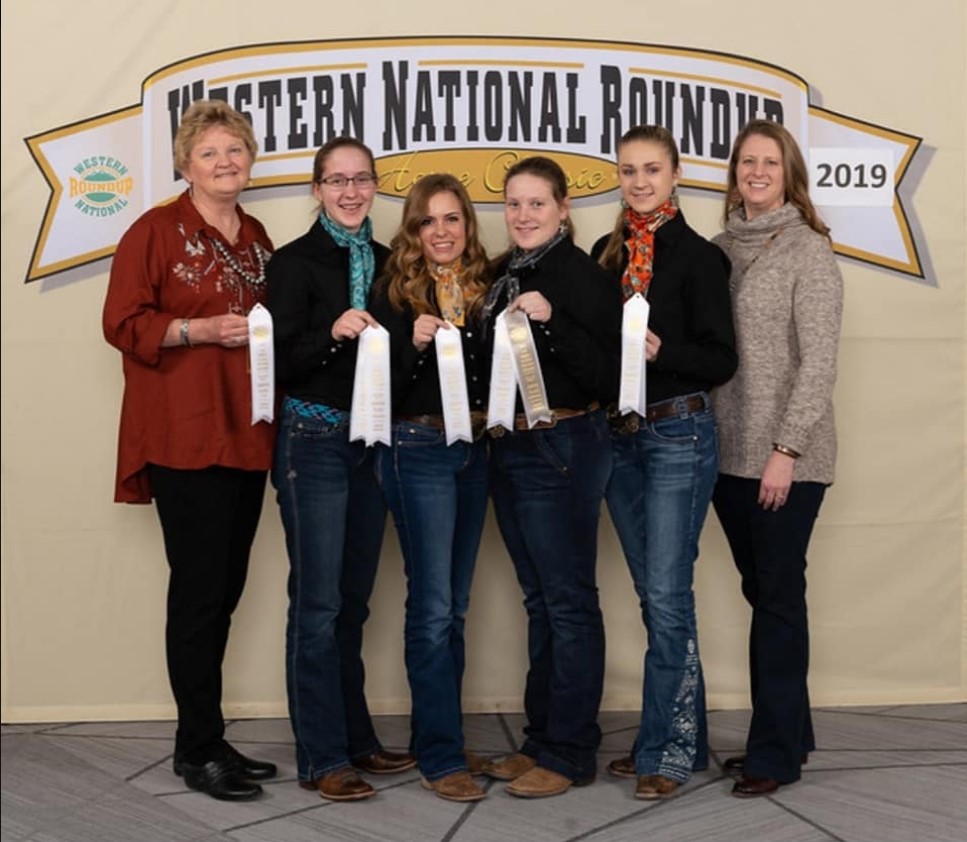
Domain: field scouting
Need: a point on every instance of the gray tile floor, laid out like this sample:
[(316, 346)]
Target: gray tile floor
[(880, 774)]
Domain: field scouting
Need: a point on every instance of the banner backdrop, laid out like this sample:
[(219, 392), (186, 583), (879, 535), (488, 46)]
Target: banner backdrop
[(470, 106), (84, 579)]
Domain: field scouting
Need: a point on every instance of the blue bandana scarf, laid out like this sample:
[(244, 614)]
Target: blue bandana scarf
[(362, 262)]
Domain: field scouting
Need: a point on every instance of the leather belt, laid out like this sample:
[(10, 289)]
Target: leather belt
[(520, 421), (674, 406), (631, 423)]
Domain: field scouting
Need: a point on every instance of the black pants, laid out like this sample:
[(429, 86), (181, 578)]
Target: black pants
[(769, 550), (208, 518)]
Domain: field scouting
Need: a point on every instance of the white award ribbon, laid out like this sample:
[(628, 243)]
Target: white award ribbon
[(261, 364), (453, 384), (372, 406), (503, 380), (634, 327), (527, 368)]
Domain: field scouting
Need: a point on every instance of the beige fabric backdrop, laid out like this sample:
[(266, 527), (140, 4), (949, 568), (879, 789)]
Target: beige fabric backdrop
[(84, 579)]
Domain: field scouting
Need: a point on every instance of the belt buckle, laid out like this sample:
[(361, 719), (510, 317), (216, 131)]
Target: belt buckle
[(631, 424), (624, 425), (497, 432)]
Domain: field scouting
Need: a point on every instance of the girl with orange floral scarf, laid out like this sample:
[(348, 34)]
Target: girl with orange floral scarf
[(666, 459)]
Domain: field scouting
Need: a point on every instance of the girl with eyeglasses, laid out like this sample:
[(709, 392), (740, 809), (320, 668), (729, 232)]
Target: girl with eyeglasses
[(332, 509)]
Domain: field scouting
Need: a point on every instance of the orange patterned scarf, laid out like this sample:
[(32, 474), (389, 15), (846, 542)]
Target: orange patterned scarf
[(641, 247), (449, 292)]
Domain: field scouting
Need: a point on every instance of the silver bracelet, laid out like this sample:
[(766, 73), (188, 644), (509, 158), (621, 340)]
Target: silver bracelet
[(183, 333), (786, 451)]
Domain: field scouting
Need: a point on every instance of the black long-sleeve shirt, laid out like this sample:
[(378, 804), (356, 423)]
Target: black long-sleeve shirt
[(691, 312), (308, 289), (416, 378), (579, 347)]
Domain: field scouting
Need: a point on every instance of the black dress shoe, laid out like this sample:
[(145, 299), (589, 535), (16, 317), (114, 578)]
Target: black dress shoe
[(220, 779), (749, 786), (735, 765), (255, 770)]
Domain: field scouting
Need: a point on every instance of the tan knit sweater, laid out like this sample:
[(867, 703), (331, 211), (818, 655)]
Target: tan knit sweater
[(787, 295)]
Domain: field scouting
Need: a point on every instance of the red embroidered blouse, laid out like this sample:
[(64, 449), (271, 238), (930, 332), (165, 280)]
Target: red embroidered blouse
[(182, 407)]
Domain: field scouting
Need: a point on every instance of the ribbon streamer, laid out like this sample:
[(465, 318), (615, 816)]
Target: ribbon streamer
[(261, 364), (453, 384), (372, 403), (503, 380), (634, 328), (514, 341)]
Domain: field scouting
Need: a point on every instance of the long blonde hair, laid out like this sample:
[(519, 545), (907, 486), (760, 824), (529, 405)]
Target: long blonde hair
[(408, 277), (794, 173), (611, 257)]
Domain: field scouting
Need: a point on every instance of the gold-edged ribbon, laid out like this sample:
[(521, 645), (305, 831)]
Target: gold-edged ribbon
[(516, 367)]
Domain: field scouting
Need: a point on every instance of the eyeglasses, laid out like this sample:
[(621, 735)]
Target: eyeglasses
[(363, 181)]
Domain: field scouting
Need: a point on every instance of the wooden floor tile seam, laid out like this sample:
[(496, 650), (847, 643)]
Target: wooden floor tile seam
[(650, 808), (792, 812)]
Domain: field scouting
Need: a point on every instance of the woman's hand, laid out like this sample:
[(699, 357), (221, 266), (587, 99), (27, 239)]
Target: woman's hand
[(424, 329), (352, 323), (229, 330), (533, 305), (652, 345), (776, 481)]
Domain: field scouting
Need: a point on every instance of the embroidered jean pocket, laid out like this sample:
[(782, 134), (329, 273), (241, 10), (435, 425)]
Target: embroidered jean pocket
[(299, 427)]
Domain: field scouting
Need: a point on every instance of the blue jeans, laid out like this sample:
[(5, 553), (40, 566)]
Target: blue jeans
[(769, 550), (658, 498), (547, 487), (334, 517), (438, 497)]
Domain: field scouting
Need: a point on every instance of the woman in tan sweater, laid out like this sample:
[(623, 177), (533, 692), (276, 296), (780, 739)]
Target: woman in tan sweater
[(777, 436)]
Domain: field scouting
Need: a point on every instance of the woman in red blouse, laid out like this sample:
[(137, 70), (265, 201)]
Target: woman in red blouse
[(184, 278)]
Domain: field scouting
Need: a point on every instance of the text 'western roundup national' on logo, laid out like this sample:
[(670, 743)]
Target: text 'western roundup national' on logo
[(100, 186)]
